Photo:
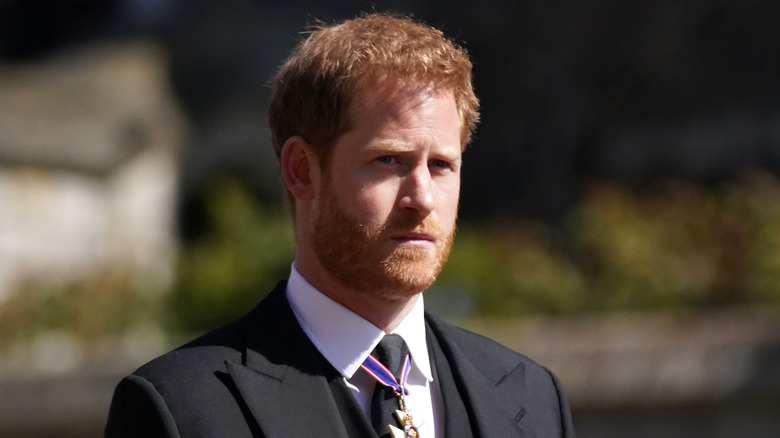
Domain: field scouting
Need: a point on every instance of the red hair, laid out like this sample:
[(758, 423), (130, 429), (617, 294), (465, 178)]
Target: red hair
[(314, 90)]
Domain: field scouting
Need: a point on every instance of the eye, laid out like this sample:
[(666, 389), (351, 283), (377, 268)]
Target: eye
[(387, 159), (441, 164)]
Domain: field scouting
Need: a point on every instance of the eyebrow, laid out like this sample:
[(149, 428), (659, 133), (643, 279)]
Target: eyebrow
[(392, 145)]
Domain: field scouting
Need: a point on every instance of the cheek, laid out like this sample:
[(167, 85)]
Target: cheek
[(452, 211), (447, 203), (373, 204), (451, 193)]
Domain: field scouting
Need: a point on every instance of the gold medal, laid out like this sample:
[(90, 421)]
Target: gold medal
[(405, 418)]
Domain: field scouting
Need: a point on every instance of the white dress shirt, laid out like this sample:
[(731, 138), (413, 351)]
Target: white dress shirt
[(345, 339)]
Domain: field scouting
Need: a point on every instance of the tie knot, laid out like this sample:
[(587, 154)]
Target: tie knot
[(391, 351)]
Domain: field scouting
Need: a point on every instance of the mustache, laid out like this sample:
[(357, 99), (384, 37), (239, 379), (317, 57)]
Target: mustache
[(410, 224)]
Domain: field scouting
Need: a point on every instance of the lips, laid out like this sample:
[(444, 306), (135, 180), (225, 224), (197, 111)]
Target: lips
[(415, 239), (420, 233)]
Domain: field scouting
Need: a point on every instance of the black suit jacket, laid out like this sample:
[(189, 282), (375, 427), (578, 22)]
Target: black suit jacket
[(261, 376)]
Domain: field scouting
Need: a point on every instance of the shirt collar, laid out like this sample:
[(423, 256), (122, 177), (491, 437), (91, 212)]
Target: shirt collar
[(343, 337)]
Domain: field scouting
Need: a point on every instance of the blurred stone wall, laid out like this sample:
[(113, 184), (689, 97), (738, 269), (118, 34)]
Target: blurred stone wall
[(89, 144)]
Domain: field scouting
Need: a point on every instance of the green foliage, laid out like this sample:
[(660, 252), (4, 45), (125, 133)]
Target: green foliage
[(226, 272), (99, 305), (681, 245), (758, 262), (512, 268), (651, 250), (675, 245)]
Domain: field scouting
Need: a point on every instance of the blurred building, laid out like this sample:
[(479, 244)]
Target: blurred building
[(88, 164)]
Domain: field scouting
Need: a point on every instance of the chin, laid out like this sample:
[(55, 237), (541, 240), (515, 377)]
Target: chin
[(403, 281)]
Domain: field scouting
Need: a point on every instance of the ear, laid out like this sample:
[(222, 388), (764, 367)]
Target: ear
[(300, 168)]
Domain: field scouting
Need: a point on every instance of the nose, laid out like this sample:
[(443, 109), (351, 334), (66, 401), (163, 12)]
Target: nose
[(417, 191)]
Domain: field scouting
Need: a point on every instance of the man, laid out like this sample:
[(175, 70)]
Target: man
[(369, 120)]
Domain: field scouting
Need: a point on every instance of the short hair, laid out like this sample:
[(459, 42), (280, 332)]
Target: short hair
[(315, 89)]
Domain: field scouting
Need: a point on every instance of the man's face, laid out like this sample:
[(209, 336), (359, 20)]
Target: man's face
[(384, 217)]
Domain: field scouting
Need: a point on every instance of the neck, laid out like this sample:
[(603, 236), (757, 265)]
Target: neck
[(384, 314)]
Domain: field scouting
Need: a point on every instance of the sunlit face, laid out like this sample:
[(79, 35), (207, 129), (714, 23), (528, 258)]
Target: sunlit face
[(384, 216)]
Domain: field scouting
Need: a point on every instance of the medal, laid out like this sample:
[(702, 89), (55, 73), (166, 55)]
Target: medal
[(405, 418), (398, 433), (383, 376)]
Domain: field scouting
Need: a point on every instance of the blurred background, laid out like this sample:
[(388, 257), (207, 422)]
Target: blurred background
[(620, 214)]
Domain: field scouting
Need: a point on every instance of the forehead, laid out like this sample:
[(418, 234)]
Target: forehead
[(397, 107), (371, 92), (399, 122), (394, 98)]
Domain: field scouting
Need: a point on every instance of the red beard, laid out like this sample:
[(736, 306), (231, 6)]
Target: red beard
[(367, 259)]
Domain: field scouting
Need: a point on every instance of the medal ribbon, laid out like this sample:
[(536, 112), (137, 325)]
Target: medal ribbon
[(382, 375)]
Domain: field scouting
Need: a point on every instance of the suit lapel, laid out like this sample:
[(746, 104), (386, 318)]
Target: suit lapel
[(491, 412), (281, 380), (283, 385)]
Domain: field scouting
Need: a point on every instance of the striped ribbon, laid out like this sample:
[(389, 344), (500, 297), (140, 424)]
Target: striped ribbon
[(385, 377)]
